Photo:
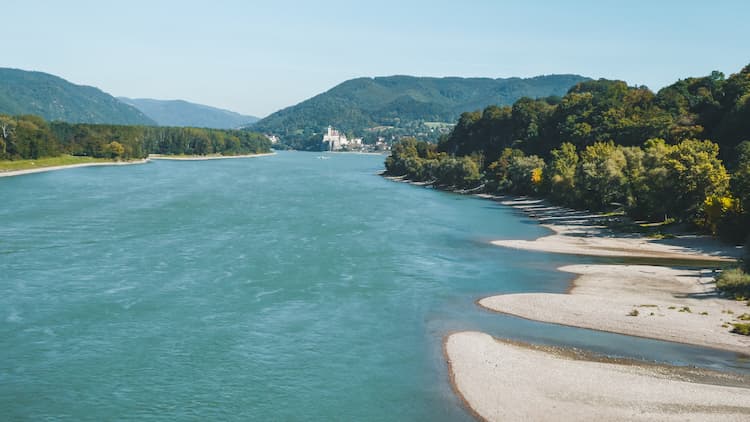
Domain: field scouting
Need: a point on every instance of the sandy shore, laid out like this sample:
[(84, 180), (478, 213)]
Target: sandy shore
[(71, 166), (205, 157), (663, 303), (584, 233), (504, 381), (651, 301)]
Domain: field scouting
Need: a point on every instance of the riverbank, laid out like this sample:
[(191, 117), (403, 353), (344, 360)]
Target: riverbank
[(655, 301), (43, 169), (205, 157), (502, 380), (664, 302), (585, 233)]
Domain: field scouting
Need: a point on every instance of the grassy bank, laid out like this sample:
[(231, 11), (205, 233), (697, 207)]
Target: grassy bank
[(63, 160)]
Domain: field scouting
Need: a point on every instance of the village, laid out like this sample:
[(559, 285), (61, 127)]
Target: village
[(333, 140)]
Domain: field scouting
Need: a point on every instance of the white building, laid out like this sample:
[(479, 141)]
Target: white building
[(337, 141)]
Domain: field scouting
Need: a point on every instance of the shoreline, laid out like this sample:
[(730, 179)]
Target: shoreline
[(500, 379), (206, 157), (659, 301), (13, 173), (151, 157)]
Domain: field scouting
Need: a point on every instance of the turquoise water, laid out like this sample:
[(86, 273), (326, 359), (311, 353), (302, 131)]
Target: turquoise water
[(274, 288)]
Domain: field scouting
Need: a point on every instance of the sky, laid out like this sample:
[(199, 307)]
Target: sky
[(256, 57)]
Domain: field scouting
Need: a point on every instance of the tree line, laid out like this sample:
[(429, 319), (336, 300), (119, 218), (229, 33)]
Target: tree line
[(31, 137), (605, 145)]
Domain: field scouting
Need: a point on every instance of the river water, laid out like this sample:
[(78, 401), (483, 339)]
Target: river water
[(277, 288)]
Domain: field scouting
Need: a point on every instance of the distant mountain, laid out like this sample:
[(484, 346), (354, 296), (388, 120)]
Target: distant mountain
[(54, 98), (399, 101), (183, 113)]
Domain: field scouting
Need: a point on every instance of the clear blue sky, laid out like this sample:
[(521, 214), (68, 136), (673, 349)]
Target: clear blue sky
[(256, 57)]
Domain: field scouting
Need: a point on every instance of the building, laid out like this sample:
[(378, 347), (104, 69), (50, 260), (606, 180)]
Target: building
[(337, 141)]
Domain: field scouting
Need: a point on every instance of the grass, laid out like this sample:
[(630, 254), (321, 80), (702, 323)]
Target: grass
[(661, 236), (744, 317), (741, 328), (63, 160), (685, 309), (734, 282), (634, 312)]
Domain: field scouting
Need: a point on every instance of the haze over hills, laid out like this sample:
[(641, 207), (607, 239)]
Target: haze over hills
[(54, 98), (183, 113), (404, 101)]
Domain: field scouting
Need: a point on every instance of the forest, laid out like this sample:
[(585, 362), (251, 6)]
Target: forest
[(681, 154), (31, 137), (399, 105)]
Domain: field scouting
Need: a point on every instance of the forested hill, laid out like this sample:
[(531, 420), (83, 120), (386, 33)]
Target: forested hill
[(53, 98), (681, 154), (398, 101), (185, 114)]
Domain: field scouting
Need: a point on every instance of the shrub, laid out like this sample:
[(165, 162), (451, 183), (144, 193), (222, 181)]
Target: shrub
[(740, 328), (734, 282)]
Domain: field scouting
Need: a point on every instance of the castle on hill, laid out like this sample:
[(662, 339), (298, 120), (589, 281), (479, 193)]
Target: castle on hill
[(337, 141)]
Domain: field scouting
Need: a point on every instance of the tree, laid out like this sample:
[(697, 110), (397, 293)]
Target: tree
[(115, 150), (525, 174), (601, 175), (561, 173), (696, 173), (498, 171)]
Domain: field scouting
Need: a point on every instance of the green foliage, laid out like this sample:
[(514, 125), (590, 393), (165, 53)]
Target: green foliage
[(741, 328), (601, 175), (734, 282), (30, 137), (53, 98), (607, 145), (419, 161), (561, 173), (525, 174)]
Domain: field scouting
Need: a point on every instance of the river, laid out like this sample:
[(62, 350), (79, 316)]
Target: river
[(277, 288)]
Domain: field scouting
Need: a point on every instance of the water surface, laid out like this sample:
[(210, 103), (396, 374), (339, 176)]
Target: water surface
[(274, 288)]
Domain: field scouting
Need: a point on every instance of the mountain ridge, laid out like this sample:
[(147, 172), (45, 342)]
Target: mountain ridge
[(185, 113), (54, 98), (402, 101)]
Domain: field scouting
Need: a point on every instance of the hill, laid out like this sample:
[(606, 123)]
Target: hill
[(186, 114), (404, 102), (54, 98)]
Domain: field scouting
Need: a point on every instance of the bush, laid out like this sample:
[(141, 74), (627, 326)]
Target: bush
[(734, 282), (740, 328)]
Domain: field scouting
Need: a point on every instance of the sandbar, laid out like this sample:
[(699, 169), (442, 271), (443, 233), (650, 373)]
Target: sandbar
[(510, 381)]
